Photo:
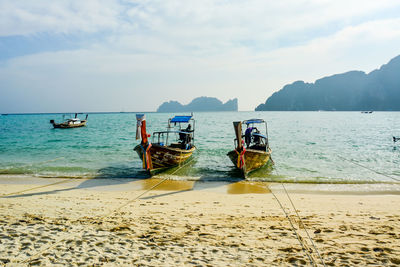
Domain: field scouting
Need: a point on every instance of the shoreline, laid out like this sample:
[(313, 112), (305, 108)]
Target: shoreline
[(100, 221), (228, 187)]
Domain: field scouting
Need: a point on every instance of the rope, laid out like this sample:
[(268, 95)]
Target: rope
[(365, 167), (145, 192), (294, 230), (37, 187), (304, 227), (104, 216), (300, 220)]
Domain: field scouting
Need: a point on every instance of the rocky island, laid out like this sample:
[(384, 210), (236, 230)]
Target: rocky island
[(199, 104), (353, 90)]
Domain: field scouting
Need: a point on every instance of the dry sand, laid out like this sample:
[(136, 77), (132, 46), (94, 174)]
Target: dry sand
[(98, 222)]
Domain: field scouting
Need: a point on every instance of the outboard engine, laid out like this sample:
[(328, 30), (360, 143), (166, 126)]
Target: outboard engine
[(52, 121)]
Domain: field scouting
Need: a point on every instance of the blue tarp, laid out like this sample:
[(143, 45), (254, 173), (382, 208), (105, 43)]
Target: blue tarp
[(181, 119), (260, 135), (253, 121), (139, 116)]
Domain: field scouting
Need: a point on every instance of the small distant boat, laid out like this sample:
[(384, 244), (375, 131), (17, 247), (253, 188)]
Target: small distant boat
[(70, 122), (169, 148), (395, 139), (253, 152), (367, 112)]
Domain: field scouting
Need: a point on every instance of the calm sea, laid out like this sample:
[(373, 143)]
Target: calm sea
[(312, 147)]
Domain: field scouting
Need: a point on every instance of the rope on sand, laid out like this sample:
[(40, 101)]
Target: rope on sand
[(145, 192), (365, 167), (32, 257), (37, 187), (299, 238), (303, 246), (304, 227)]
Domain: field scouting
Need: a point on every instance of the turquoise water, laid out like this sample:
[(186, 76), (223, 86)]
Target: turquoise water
[(314, 147)]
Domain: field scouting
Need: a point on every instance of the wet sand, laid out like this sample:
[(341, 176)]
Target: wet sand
[(186, 223)]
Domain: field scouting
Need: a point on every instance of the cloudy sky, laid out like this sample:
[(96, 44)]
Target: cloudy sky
[(126, 55)]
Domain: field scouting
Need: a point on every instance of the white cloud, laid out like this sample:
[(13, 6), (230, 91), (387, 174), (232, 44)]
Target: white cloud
[(31, 17), (161, 50), (363, 47), (221, 23)]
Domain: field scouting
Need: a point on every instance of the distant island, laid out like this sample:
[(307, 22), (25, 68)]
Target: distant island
[(200, 104), (353, 90)]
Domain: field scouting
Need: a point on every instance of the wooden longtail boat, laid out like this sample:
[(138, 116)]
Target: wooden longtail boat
[(253, 152), (70, 123), (161, 153)]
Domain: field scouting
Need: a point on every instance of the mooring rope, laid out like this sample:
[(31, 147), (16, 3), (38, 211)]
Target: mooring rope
[(145, 192), (365, 167), (104, 216), (303, 246), (302, 224), (304, 227), (37, 187)]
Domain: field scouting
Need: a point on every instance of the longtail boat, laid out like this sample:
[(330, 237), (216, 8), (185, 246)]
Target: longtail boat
[(253, 152), (70, 122), (167, 149)]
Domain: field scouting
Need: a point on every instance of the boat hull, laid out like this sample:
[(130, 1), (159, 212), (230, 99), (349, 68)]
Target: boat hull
[(69, 125), (165, 157), (253, 160)]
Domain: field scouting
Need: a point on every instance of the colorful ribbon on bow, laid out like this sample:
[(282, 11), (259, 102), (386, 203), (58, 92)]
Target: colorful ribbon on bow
[(240, 160), (147, 164)]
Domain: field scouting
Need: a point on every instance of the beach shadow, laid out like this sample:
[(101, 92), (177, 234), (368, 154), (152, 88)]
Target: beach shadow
[(230, 182), (108, 176), (119, 175), (234, 182), (122, 172), (227, 181)]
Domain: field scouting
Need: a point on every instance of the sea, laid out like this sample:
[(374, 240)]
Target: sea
[(307, 147)]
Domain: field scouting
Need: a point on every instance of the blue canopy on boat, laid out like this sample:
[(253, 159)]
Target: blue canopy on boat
[(260, 135), (253, 121), (181, 119), (140, 116)]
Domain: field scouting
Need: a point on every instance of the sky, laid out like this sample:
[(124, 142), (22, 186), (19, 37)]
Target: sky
[(128, 55)]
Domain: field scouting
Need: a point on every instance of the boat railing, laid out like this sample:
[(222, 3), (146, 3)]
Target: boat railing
[(178, 121), (256, 140), (251, 123), (71, 117), (163, 136)]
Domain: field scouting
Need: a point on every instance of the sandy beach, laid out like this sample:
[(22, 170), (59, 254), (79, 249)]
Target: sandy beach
[(47, 221)]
